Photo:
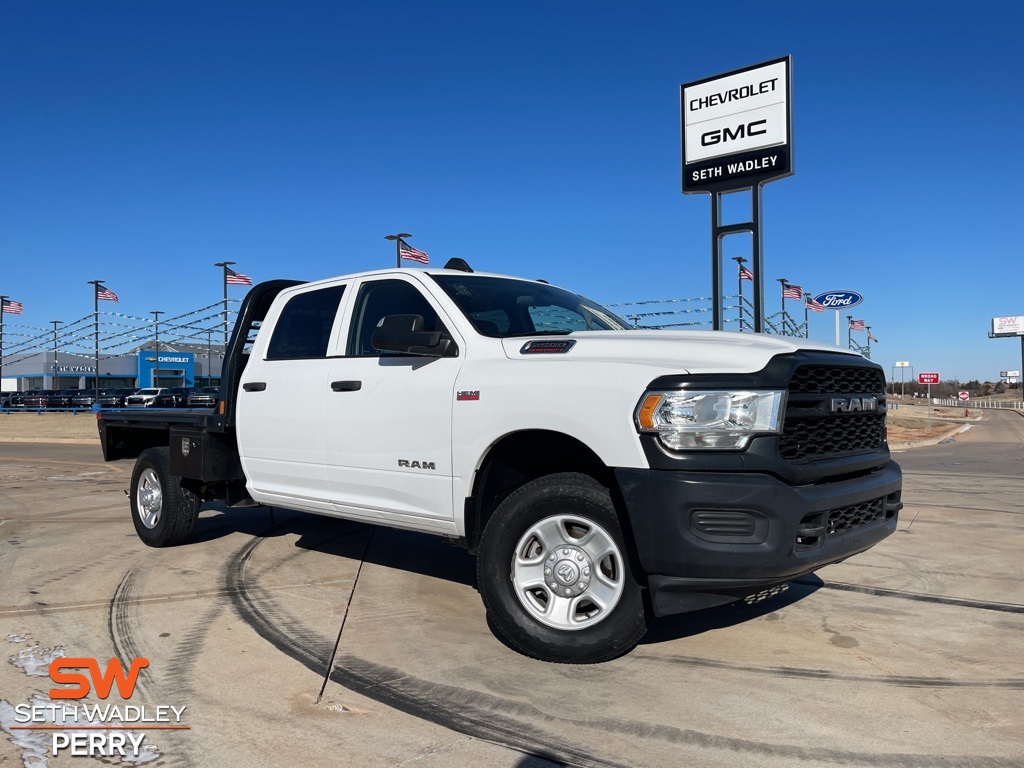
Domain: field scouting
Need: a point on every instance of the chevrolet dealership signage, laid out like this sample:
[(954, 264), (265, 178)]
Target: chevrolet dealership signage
[(176, 366), (737, 128)]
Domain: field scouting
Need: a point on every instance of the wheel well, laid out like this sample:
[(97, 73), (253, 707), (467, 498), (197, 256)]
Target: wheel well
[(517, 459)]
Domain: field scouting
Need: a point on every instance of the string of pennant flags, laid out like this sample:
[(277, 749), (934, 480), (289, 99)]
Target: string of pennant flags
[(117, 331)]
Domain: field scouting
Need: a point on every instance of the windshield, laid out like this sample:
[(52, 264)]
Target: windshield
[(502, 307), (148, 392)]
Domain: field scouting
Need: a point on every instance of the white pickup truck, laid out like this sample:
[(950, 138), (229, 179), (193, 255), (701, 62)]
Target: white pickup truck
[(603, 475)]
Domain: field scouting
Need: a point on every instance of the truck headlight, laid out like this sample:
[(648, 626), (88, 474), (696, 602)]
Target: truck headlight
[(688, 420)]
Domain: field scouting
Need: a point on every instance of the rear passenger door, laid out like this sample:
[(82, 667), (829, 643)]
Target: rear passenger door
[(281, 402), (389, 415)]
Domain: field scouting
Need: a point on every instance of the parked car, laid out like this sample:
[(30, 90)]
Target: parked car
[(143, 398), (204, 397), (115, 398), (38, 398), (61, 398), (5, 399), (17, 399), (173, 397)]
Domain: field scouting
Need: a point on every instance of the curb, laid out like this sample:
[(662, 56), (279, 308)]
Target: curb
[(57, 440), (932, 440)]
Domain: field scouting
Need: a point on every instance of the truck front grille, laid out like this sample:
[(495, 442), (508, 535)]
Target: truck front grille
[(816, 438), (811, 429), (817, 527), (834, 379), (847, 518)]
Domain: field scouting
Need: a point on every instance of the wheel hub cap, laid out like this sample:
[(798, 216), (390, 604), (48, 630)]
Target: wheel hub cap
[(149, 498), (568, 571)]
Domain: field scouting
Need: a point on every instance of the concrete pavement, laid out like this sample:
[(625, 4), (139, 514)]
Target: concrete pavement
[(908, 655)]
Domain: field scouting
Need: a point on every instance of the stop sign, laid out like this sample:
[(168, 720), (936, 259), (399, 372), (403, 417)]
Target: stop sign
[(964, 395)]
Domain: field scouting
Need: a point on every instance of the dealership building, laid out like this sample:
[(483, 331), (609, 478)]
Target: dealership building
[(176, 365)]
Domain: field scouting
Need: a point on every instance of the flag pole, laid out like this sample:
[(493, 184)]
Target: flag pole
[(96, 337), (782, 284), (398, 246), (2, 299), (807, 317), (739, 271), (225, 264)]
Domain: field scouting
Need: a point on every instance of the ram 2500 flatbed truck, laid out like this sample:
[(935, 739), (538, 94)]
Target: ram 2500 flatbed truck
[(603, 475)]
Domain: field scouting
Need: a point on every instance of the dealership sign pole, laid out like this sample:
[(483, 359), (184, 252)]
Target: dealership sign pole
[(737, 135), (1005, 327), (839, 300)]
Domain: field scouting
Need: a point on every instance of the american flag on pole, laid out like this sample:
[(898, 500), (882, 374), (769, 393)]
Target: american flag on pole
[(745, 274), (792, 291), (12, 307), (870, 337), (856, 325), (406, 251), (105, 294), (815, 306), (236, 278)]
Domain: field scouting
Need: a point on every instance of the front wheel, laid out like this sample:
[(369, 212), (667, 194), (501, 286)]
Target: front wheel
[(163, 511), (555, 575)]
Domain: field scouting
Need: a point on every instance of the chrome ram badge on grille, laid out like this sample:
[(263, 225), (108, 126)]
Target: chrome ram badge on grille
[(850, 404)]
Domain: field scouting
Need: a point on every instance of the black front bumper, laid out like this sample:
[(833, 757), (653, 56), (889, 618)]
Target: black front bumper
[(708, 538)]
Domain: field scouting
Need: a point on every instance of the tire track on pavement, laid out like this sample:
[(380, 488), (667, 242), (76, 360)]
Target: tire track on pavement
[(511, 723)]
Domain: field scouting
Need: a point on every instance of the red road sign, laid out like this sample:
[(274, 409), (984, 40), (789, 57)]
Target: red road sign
[(964, 395), (927, 378)]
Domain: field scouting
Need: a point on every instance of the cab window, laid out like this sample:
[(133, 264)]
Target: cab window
[(378, 299), (303, 329)]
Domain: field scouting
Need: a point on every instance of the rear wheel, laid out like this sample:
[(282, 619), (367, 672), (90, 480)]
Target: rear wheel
[(555, 575), (163, 511)]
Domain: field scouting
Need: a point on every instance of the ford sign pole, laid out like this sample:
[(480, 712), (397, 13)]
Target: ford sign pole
[(838, 300)]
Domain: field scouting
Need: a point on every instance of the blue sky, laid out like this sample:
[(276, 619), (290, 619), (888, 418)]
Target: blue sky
[(144, 141)]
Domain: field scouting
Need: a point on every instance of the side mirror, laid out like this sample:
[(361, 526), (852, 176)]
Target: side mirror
[(405, 334)]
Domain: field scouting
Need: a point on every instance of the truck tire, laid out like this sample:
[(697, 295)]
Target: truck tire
[(555, 573), (163, 511)]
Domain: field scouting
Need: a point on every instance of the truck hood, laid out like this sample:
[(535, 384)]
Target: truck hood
[(672, 351)]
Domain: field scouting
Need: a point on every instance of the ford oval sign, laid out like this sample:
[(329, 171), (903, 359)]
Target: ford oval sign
[(839, 299)]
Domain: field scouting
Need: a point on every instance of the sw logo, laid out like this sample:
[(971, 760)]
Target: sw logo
[(102, 682)]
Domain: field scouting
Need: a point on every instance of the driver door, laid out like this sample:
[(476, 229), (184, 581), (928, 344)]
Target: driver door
[(389, 416)]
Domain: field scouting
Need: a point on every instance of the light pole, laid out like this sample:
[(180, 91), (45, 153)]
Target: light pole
[(398, 245), (53, 378), (740, 261), (156, 334), (209, 358), (868, 329), (225, 265), (156, 329)]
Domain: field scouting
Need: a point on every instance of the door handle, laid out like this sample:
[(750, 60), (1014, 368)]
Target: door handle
[(254, 386), (346, 386)]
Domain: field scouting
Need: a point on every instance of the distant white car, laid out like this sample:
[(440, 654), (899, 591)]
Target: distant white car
[(143, 398)]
